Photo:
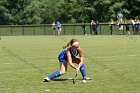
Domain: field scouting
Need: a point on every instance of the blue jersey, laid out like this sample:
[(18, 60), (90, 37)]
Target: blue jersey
[(120, 15), (58, 25), (63, 57)]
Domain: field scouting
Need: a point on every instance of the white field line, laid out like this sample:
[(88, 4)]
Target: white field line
[(131, 55), (7, 63), (70, 78), (106, 57), (97, 57), (47, 90)]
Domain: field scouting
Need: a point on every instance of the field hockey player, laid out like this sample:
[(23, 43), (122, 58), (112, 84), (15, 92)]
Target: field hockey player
[(73, 54)]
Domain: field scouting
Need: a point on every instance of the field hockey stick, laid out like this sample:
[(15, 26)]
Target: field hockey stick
[(77, 70)]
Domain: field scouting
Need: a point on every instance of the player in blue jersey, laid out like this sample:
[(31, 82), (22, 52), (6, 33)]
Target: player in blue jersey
[(73, 54), (119, 16), (59, 27)]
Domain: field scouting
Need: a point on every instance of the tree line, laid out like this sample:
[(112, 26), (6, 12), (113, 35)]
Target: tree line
[(66, 11)]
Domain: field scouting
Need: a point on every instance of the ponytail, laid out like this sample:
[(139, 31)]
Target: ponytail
[(70, 43), (66, 46)]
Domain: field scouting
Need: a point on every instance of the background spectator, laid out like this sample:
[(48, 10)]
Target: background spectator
[(121, 27), (127, 25), (84, 27), (119, 16), (96, 27), (59, 27), (133, 25), (54, 28), (111, 25), (93, 27), (137, 26)]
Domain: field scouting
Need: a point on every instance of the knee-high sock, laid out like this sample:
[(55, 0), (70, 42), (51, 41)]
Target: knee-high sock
[(55, 74), (83, 71)]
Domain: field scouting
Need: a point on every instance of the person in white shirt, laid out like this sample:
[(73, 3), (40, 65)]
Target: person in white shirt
[(54, 28), (133, 25)]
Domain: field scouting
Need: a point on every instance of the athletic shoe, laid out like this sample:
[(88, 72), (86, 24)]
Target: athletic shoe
[(87, 78), (46, 79)]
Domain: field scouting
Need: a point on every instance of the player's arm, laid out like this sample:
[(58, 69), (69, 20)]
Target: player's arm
[(70, 60), (80, 54)]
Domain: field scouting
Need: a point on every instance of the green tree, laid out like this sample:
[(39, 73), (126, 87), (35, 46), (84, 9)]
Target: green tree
[(11, 10), (65, 11), (46, 11), (5, 16), (134, 8), (32, 13), (51, 11)]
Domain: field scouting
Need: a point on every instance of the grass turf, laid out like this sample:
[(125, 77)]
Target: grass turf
[(111, 61)]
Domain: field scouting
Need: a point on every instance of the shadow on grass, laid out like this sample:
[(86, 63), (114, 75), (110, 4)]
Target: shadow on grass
[(69, 79), (60, 79)]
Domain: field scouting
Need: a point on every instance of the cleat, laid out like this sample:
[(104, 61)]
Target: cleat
[(46, 79), (87, 78)]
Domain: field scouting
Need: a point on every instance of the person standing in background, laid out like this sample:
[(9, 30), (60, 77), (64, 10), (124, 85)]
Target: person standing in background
[(137, 26), (84, 27), (59, 27), (121, 27), (111, 25), (133, 25), (93, 27), (54, 28), (127, 25), (96, 27), (119, 16)]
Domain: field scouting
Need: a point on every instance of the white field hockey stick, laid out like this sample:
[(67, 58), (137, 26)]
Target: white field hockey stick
[(77, 70)]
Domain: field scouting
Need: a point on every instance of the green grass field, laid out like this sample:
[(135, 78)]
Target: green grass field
[(112, 62)]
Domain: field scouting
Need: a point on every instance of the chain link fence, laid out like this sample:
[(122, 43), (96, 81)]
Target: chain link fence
[(67, 29)]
